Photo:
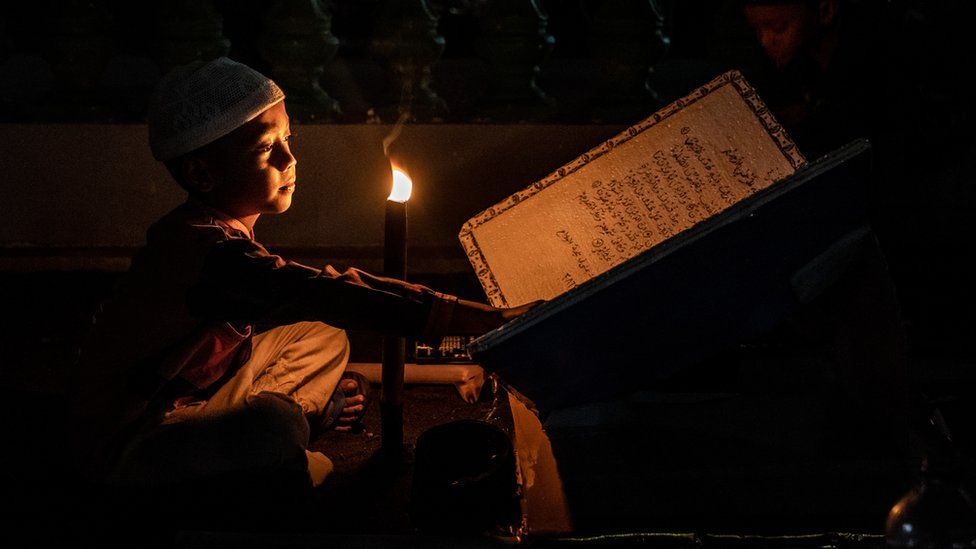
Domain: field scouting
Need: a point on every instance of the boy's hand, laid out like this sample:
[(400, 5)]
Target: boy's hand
[(472, 318), (511, 313)]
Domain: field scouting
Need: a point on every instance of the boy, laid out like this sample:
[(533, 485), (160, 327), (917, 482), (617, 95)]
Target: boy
[(214, 356)]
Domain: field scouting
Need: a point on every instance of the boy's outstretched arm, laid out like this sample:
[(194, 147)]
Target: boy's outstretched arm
[(243, 283), (467, 318)]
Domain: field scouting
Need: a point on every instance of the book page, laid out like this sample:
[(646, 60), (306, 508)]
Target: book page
[(686, 163)]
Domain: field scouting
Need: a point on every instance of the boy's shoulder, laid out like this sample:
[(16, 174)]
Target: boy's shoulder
[(194, 224)]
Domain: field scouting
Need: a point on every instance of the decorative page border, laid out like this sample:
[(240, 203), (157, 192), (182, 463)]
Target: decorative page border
[(773, 127), (734, 78), (480, 265)]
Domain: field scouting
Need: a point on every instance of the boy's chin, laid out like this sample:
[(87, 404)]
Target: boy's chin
[(279, 206)]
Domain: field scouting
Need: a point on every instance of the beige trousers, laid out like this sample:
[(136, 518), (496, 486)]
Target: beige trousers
[(303, 361), (256, 422)]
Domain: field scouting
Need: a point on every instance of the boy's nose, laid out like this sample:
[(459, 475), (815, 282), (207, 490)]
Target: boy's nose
[(286, 159)]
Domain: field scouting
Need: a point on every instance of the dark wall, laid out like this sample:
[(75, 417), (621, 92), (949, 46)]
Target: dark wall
[(899, 77)]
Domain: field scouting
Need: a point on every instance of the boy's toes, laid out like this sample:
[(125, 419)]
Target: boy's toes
[(353, 411), (349, 386), (354, 389)]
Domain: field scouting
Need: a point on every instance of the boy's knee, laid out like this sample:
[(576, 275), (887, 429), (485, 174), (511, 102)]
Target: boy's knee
[(329, 335), (332, 343)]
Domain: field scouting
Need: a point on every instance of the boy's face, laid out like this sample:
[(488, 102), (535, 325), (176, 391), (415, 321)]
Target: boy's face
[(251, 170), (782, 29)]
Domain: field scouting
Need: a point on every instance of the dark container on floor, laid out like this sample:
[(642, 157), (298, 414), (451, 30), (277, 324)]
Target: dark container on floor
[(464, 479)]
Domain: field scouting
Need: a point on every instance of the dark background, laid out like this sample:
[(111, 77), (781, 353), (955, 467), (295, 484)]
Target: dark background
[(900, 79)]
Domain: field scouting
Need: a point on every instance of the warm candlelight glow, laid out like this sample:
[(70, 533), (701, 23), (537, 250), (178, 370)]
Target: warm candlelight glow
[(402, 185)]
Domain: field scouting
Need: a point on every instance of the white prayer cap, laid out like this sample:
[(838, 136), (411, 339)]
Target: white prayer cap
[(198, 103)]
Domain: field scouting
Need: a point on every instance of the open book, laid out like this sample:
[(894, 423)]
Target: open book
[(689, 233), (681, 166)]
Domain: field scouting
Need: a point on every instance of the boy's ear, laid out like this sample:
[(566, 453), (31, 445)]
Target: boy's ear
[(197, 175)]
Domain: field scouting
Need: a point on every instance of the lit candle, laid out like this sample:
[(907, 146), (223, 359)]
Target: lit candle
[(394, 348), (395, 229)]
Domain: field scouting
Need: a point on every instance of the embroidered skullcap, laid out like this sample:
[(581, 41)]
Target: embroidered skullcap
[(198, 103)]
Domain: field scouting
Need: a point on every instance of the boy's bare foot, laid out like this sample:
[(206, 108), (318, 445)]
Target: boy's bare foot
[(355, 404)]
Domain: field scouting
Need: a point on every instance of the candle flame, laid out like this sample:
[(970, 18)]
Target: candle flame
[(402, 185)]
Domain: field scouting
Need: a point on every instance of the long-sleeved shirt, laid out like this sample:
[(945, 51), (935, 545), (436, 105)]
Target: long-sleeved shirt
[(182, 317)]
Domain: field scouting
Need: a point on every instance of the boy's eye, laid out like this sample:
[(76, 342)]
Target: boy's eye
[(267, 148)]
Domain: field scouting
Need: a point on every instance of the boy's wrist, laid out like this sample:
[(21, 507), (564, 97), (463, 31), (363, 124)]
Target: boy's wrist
[(443, 308)]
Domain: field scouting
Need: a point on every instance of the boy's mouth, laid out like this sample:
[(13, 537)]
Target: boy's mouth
[(287, 188)]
